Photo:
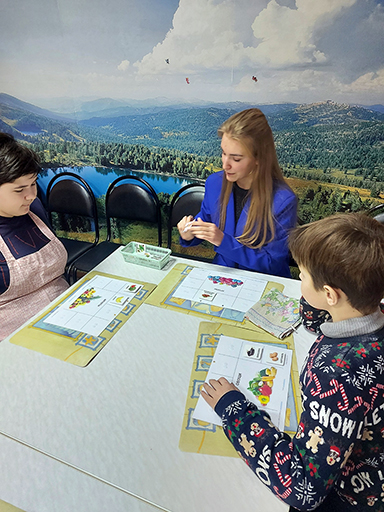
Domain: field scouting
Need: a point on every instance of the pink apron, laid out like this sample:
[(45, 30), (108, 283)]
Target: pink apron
[(35, 280)]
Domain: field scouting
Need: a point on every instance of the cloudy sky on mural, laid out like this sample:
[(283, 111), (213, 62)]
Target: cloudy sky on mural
[(299, 50)]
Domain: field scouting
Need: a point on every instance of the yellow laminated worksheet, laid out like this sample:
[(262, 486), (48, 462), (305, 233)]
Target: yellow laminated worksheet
[(219, 295), (76, 327), (203, 437)]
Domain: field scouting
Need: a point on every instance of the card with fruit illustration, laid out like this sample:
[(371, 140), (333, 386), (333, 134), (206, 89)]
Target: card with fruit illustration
[(260, 370), (95, 305)]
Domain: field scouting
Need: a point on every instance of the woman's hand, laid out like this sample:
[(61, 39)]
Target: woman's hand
[(213, 391), (206, 231), (184, 230)]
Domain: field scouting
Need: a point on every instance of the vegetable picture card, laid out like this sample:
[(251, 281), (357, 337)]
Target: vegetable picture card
[(260, 371)]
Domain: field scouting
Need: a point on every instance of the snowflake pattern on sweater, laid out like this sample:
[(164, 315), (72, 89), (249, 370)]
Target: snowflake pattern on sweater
[(340, 439)]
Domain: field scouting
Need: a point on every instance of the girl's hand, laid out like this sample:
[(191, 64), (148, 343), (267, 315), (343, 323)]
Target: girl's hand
[(184, 230), (206, 231), (213, 391)]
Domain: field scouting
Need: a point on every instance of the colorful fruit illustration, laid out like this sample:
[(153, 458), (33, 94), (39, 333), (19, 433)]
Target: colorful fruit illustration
[(229, 281), (261, 385), (84, 298)]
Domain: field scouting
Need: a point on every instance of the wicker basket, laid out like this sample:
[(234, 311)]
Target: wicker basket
[(147, 255)]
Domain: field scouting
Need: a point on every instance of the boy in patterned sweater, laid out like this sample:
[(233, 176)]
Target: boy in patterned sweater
[(335, 462)]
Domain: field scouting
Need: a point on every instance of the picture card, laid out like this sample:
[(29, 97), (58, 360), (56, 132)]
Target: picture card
[(260, 371), (221, 290)]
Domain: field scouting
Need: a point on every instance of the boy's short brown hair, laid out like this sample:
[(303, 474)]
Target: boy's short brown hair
[(345, 251)]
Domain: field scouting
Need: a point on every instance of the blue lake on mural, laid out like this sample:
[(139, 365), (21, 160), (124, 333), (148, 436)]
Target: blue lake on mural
[(99, 178)]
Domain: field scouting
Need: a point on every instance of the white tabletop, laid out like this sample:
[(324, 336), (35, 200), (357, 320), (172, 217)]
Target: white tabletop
[(34, 482), (115, 424)]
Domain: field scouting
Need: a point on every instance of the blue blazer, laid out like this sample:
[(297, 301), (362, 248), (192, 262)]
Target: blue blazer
[(272, 258)]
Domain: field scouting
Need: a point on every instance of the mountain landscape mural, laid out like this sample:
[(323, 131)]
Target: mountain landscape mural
[(86, 92), (332, 154)]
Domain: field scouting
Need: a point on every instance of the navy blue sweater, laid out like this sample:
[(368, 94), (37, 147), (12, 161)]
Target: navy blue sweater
[(340, 440)]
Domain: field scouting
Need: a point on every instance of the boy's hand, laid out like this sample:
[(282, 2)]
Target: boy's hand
[(213, 391)]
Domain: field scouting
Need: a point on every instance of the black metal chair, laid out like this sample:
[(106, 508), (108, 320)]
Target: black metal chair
[(377, 212), (129, 201), (72, 199), (186, 201)]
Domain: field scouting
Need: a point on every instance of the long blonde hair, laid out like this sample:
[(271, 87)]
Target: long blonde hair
[(250, 127)]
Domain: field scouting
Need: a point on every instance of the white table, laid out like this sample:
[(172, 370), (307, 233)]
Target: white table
[(105, 437)]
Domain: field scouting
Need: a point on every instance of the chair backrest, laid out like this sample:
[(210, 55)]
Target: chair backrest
[(133, 200), (377, 212), (380, 218), (68, 193), (186, 201)]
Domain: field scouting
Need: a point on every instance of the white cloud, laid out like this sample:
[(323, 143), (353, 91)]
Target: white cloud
[(376, 18), (311, 85), (367, 87), (286, 85), (318, 49), (202, 37), (308, 79), (123, 66), (369, 83), (229, 34), (287, 35)]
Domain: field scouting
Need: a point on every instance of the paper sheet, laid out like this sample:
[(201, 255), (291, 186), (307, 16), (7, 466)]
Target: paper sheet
[(260, 371), (96, 304), (218, 289)]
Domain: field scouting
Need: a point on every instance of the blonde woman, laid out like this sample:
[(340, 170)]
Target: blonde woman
[(248, 208)]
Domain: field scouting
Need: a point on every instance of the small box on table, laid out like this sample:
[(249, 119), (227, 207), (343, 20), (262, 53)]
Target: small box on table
[(147, 255)]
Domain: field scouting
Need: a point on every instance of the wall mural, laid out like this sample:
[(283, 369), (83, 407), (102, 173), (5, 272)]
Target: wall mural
[(109, 88)]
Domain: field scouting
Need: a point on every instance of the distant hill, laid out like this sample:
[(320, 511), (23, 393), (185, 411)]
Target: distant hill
[(202, 119), (191, 130), (195, 129), (375, 108), (29, 125), (323, 113), (109, 108), (12, 102), (25, 125), (72, 109)]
